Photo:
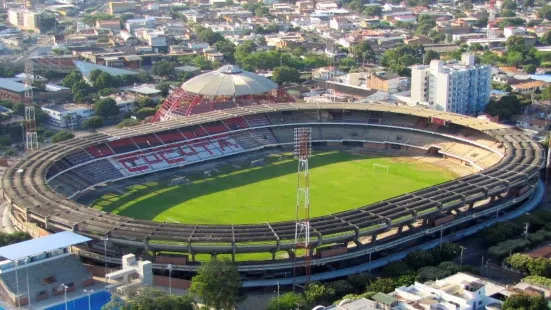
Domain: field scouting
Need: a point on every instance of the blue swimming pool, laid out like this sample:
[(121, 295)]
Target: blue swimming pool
[(97, 301)]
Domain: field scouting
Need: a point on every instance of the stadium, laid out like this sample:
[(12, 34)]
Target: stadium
[(51, 187)]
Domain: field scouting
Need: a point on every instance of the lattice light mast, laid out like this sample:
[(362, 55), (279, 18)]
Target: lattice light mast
[(31, 138), (303, 151)]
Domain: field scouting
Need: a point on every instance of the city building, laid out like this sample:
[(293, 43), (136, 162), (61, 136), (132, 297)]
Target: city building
[(133, 24), (24, 19), (385, 81), (113, 25), (121, 7), (459, 87), (460, 291), (68, 115)]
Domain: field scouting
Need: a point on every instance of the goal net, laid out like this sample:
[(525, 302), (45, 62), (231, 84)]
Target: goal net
[(378, 167)]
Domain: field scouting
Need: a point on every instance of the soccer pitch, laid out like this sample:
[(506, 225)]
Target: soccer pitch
[(339, 181)]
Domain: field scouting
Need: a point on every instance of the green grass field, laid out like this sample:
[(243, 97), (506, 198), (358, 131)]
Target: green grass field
[(339, 181)]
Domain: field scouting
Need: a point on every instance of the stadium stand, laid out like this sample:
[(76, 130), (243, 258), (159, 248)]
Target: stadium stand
[(123, 145), (36, 268), (47, 276), (509, 158)]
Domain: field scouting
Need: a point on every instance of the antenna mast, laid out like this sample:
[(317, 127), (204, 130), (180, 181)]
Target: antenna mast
[(31, 138), (303, 151)]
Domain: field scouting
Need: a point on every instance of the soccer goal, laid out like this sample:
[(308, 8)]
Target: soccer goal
[(380, 167)]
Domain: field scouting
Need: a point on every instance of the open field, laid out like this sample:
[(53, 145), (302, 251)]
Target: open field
[(339, 181)]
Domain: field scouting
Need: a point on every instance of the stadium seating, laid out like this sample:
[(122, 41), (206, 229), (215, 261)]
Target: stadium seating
[(246, 140), (264, 136), (175, 155), (100, 150), (236, 123), (78, 157), (170, 136), (46, 276), (123, 145), (214, 128), (257, 120), (147, 141)]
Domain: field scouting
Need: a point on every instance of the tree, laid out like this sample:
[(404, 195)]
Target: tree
[(419, 258), (164, 88), (516, 44), (546, 38), (62, 136), (399, 59), (501, 231), (71, 79), (430, 55), (202, 62), (347, 63), (243, 50), (385, 285), (217, 283), (505, 107), (94, 74), (507, 13), (525, 302), (341, 288), (93, 122), (105, 80), (227, 48), (5, 141), (285, 74), (145, 112), (209, 36), (318, 294), (146, 102), (530, 68), (129, 122), (106, 108), (163, 68), (359, 281), (540, 267), (152, 299), (373, 11), (16, 237), (545, 12), (546, 92), (363, 51), (287, 301)]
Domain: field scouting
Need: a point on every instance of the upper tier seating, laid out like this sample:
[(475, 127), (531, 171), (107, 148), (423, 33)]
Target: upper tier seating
[(171, 136), (123, 145), (147, 141), (100, 150), (236, 123)]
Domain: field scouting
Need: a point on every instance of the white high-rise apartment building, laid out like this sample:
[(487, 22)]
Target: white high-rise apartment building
[(459, 87), (24, 19)]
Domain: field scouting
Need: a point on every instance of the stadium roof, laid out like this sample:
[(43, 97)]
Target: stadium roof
[(86, 67), (41, 245), (12, 85), (229, 81)]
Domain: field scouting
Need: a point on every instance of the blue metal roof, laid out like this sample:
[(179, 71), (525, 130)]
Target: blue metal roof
[(41, 245), (86, 67), (12, 86)]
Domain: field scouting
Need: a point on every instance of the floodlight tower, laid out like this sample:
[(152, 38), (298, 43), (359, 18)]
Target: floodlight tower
[(303, 151), (31, 138)]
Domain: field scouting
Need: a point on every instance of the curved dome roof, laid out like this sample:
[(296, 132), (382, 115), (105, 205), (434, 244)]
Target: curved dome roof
[(229, 81)]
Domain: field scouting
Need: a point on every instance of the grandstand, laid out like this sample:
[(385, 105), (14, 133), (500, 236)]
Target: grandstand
[(37, 269), (40, 188)]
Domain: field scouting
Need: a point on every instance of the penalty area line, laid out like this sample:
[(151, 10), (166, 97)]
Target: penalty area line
[(172, 220)]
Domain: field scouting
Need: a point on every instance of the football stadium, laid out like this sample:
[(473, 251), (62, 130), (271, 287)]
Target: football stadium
[(223, 182)]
